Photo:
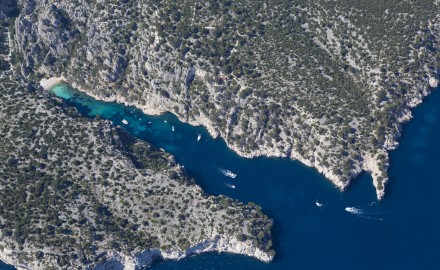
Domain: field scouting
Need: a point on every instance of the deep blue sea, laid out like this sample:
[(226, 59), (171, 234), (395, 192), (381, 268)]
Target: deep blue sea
[(400, 232)]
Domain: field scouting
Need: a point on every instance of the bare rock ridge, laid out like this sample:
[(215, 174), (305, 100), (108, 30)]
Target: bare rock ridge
[(317, 81)]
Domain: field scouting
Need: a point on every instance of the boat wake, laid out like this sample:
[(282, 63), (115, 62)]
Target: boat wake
[(354, 210), (230, 185), (363, 213), (228, 173)]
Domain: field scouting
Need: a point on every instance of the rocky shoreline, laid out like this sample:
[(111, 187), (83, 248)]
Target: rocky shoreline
[(119, 261), (49, 83), (369, 163), (146, 258)]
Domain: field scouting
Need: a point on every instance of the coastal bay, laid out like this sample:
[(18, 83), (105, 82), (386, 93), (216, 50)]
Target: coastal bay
[(245, 133)]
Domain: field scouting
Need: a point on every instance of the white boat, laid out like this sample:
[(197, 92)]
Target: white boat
[(199, 137), (165, 121), (318, 204), (172, 128), (230, 185), (228, 173), (353, 210), (125, 122)]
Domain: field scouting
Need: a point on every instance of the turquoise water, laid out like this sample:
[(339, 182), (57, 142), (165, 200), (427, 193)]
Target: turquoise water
[(401, 232)]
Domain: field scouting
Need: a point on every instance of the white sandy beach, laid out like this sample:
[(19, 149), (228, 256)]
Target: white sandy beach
[(51, 82)]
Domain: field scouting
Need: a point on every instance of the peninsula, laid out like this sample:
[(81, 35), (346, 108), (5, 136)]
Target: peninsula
[(79, 193)]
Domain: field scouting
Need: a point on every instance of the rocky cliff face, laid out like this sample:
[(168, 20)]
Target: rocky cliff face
[(317, 82)]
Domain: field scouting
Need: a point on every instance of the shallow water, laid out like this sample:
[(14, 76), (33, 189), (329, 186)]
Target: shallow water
[(401, 232)]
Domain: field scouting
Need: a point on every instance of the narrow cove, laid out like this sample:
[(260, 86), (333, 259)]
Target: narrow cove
[(398, 233)]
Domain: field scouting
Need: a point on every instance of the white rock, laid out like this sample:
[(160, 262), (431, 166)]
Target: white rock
[(217, 243), (433, 82)]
